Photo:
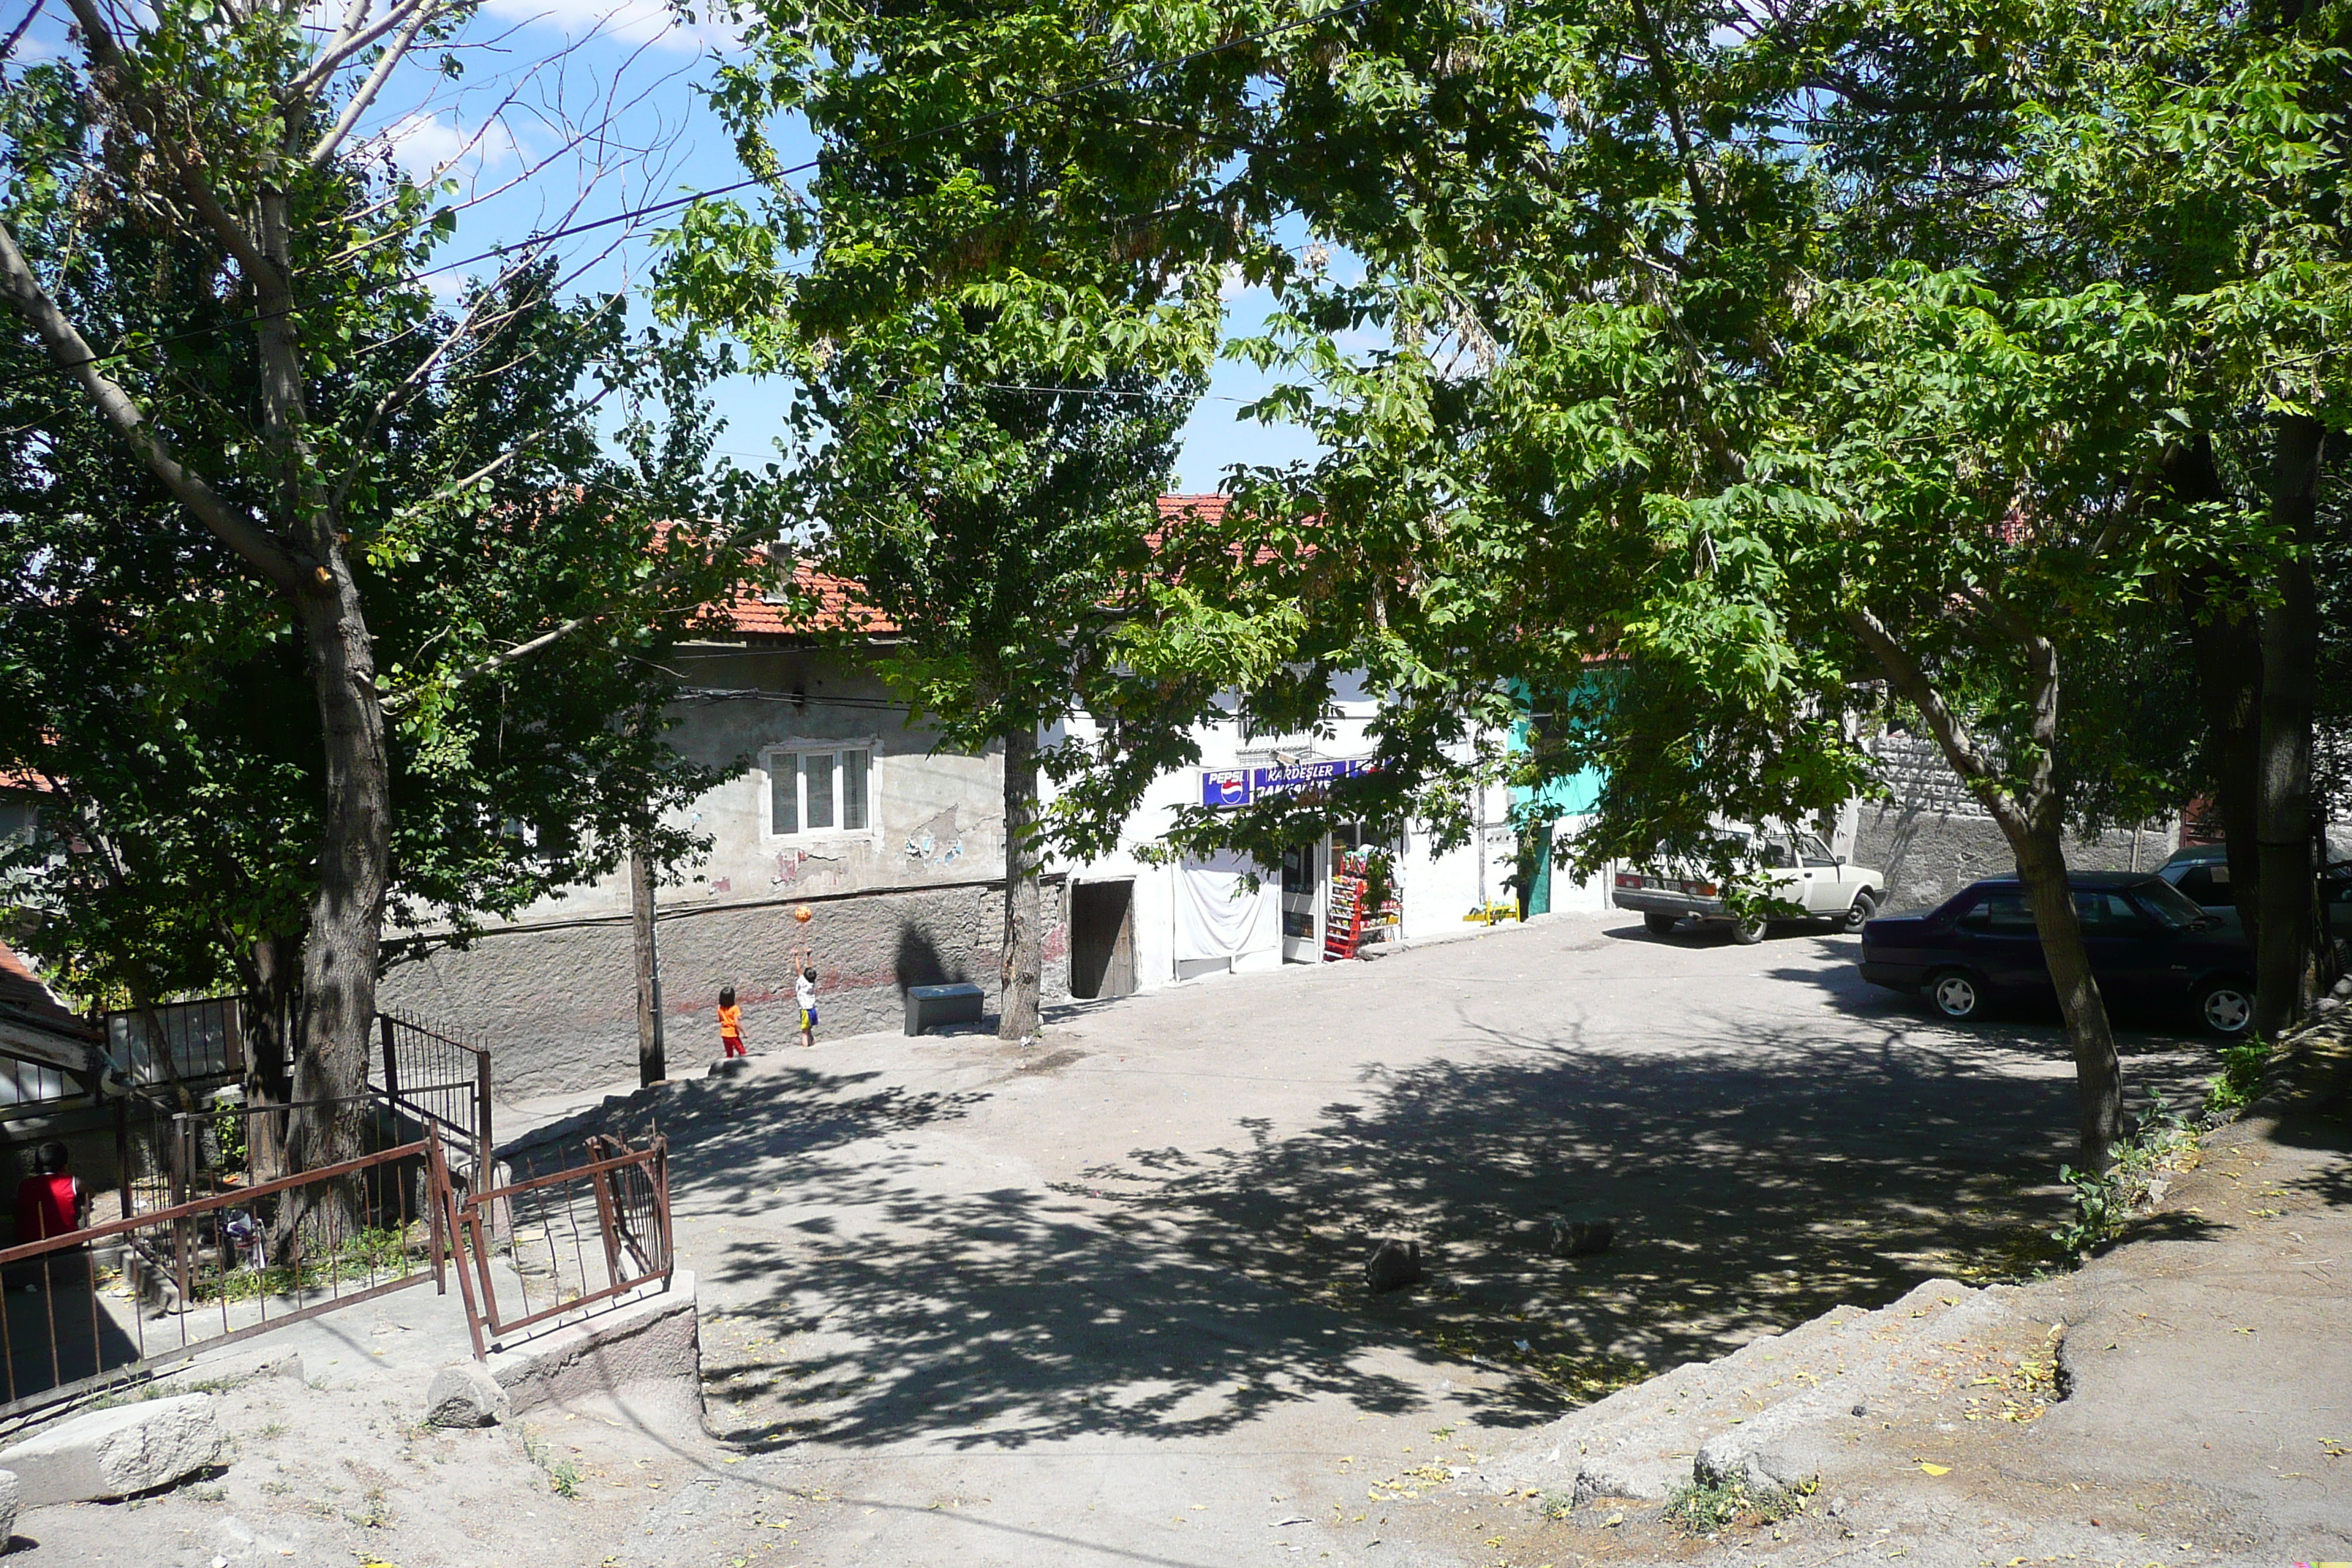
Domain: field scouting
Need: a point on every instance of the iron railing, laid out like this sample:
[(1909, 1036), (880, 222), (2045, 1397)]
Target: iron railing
[(572, 1238), (98, 1305), (444, 1083)]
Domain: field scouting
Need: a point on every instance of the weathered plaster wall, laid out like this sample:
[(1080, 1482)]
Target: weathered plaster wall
[(938, 818), (1932, 839), (557, 1002)]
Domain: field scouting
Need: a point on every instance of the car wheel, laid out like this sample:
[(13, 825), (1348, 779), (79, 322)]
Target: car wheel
[(1748, 933), (1658, 924), (1957, 995), (1864, 906), (2227, 1006)]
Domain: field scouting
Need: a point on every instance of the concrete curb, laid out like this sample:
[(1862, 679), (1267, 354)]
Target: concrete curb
[(645, 1348)]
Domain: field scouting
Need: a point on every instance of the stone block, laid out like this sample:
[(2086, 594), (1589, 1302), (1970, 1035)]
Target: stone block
[(1393, 1264), (115, 1453), (465, 1394), (11, 1497), (644, 1351), (1731, 1457)]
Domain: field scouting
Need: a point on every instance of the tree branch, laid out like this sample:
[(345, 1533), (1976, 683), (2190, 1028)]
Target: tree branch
[(1959, 748), (324, 148), (68, 350)]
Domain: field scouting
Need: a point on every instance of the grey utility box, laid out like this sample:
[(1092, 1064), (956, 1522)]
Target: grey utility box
[(931, 1005)]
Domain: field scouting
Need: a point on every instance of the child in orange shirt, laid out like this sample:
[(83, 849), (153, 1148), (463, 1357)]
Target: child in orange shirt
[(730, 1025)]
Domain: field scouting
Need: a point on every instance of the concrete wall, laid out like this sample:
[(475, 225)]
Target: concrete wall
[(938, 818), (558, 1001), (1933, 839)]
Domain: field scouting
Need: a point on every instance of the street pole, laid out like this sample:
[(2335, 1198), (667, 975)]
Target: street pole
[(651, 1067)]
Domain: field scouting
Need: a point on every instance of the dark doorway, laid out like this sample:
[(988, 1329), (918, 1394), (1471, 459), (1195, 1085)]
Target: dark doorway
[(1102, 939)]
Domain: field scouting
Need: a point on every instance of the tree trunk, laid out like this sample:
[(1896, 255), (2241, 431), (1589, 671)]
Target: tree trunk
[(1025, 960), (269, 1051), (2030, 817), (2099, 1074), (2229, 690), (2290, 638), (2228, 648), (652, 1064), (340, 955)]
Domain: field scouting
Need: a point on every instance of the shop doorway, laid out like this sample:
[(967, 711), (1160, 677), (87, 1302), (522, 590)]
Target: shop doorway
[(1102, 939), (1302, 903)]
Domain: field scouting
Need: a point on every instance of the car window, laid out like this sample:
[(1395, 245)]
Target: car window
[(1773, 854), (2196, 884), (2003, 914), (2169, 906), (2106, 913), (1813, 851)]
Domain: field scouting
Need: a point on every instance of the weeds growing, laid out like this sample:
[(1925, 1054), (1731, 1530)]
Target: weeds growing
[(1705, 1508), (2105, 1201), (2239, 1082)]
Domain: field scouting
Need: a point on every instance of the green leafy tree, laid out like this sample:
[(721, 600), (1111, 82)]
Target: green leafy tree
[(1790, 359), (994, 351), (280, 526)]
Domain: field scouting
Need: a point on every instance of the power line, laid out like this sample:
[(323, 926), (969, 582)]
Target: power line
[(672, 203), (967, 122)]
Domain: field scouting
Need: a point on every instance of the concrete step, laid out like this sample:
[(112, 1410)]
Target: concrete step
[(1771, 1407)]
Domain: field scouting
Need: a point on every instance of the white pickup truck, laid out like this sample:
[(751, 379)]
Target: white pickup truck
[(1800, 867)]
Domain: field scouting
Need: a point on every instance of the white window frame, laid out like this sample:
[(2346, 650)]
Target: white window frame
[(789, 752)]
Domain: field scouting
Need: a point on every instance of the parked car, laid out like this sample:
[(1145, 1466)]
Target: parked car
[(1801, 870), (2201, 871), (2149, 947)]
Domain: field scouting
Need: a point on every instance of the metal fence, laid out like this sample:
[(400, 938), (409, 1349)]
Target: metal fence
[(195, 1042), (441, 1081), (569, 1238), (172, 1156), (86, 1308)]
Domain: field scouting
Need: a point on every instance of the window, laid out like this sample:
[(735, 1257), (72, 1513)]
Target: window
[(1773, 854), (820, 792), (2171, 908), (2004, 914), (1813, 851), (2105, 913)]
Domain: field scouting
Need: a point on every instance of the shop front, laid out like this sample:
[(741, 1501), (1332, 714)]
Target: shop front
[(1328, 902)]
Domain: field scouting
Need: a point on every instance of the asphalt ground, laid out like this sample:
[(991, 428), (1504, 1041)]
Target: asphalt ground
[(1101, 1300)]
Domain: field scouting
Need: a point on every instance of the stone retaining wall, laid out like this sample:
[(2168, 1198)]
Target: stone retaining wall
[(1933, 838), (556, 1001)]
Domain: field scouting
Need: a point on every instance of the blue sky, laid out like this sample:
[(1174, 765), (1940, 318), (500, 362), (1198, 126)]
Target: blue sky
[(571, 110)]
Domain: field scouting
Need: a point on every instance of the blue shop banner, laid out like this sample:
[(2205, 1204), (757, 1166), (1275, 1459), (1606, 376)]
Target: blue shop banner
[(1224, 788)]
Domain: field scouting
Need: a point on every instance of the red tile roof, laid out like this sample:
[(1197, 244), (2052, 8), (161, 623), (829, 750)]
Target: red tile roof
[(840, 606), (24, 1000)]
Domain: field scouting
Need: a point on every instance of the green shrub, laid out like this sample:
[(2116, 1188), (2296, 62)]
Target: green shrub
[(2241, 1079), (1702, 1509), (2106, 1201)]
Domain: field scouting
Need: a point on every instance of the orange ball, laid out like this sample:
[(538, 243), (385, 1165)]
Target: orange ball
[(802, 914)]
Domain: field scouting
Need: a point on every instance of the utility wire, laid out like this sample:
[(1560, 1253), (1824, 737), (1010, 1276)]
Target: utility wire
[(911, 138), (671, 204)]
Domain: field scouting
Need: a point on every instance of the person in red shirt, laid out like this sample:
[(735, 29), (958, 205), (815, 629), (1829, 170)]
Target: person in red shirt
[(52, 1200), (730, 1025)]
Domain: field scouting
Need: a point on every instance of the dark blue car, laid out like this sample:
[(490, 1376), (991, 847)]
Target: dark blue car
[(2152, 949)]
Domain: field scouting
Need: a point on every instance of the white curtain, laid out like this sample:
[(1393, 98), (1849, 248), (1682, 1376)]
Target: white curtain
[(1216, 916)]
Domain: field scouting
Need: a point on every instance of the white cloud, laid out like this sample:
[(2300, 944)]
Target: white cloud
[(623, 21), (429, 147)]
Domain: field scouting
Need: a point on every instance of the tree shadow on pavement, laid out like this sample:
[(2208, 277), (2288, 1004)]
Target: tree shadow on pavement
[(891, 1308), (719, 1127), (872, 1297), (1753, 1187)]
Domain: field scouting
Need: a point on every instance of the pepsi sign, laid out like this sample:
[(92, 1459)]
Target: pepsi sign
[(1225, 788)]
